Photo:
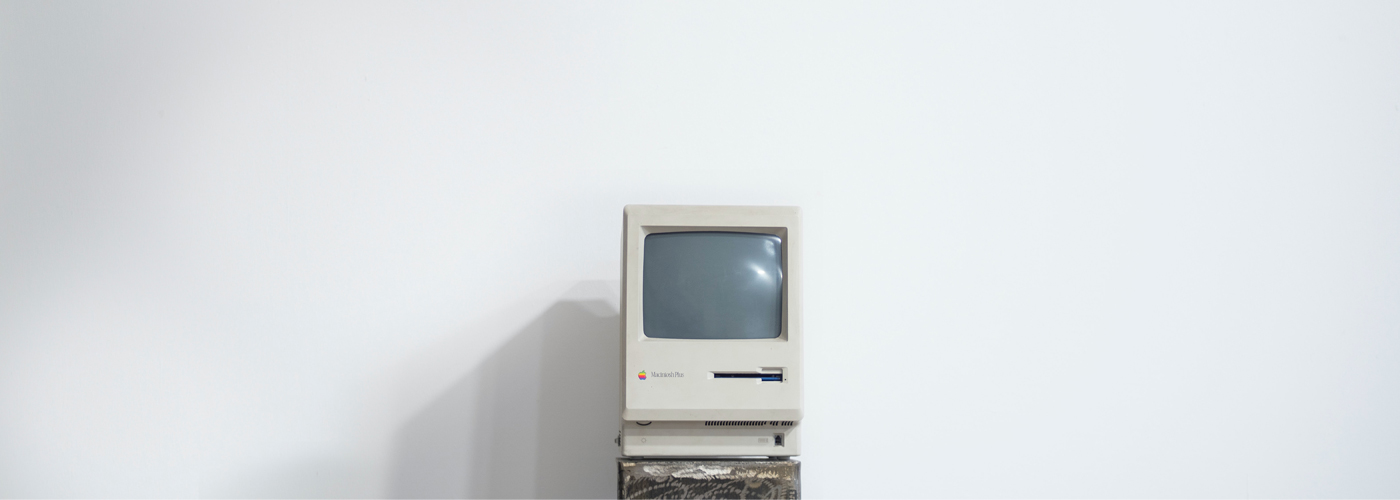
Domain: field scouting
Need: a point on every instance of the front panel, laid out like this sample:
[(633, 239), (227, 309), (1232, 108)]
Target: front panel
[(724, 340)]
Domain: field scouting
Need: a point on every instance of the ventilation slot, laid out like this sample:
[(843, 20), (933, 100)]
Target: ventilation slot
[(736, 423), (750, 423)]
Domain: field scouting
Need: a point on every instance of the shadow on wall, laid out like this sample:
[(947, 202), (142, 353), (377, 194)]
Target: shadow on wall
[(536, 419)]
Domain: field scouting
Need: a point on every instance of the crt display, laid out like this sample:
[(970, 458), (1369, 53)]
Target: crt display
[(712, 285)]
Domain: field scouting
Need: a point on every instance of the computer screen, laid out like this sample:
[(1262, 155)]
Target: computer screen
[(712, 285)]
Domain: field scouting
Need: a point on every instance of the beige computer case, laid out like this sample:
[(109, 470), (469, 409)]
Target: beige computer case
[(680, 409)]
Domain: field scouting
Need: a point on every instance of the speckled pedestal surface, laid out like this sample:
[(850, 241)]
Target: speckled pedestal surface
[(695, 478)]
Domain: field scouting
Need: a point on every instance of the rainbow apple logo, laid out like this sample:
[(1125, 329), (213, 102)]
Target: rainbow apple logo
[(642, 375)]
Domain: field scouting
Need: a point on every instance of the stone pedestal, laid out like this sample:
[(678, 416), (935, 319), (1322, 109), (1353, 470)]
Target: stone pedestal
[(696, 478)]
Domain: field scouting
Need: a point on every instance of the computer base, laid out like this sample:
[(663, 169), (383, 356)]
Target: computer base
[(711, 439)]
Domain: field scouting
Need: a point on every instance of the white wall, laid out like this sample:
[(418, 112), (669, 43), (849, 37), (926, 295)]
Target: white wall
[(1055, 250)]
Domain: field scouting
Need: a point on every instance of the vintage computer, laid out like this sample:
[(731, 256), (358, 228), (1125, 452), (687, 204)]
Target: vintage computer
[(711, 331)]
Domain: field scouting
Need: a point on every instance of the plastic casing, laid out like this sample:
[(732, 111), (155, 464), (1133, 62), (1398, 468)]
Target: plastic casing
[(667, 415)]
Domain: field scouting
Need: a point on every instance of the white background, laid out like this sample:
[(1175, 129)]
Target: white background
[(1054, 250)]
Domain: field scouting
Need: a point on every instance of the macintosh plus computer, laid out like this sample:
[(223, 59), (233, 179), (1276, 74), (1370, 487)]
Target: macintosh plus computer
[(711, 331)]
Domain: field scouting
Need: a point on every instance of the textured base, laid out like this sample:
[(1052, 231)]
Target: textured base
[(696, 478)]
